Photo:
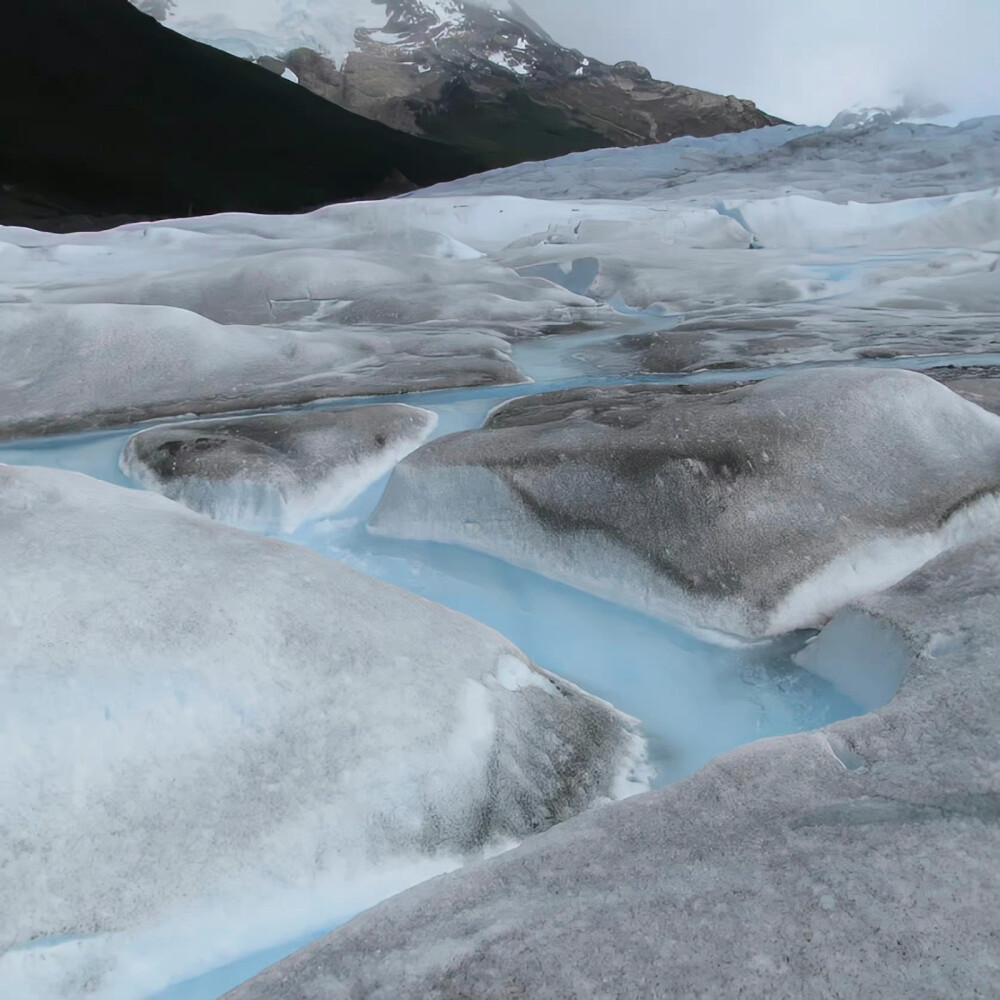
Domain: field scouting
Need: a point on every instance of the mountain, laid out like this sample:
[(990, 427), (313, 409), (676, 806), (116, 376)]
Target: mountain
[(486, 79), (105, 116)]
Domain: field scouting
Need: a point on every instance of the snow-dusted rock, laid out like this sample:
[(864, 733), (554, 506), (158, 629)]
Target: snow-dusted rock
[(279, 468), (857, 861), (69, 367), (754, 510), (199, 725)]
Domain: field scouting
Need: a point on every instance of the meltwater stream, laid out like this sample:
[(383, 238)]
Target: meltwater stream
[(694, 700)]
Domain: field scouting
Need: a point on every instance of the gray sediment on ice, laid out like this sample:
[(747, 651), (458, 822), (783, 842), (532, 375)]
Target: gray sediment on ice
[(752, 510)]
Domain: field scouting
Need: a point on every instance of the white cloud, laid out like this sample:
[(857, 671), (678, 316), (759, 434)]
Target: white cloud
[(804, 60)]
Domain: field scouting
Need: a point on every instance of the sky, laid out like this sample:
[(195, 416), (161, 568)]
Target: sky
[(803, 60)]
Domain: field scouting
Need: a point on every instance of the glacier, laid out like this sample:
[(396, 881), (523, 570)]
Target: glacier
[(269, 27), (251, 28), (881, 163), (240, 721), (606, 302)]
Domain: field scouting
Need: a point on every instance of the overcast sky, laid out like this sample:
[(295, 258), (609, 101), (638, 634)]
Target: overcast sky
[(803, 60)]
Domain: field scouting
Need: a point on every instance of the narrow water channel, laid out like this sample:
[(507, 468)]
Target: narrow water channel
[(693, 699)]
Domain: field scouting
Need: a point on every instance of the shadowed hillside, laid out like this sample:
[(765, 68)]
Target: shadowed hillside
[(105, 116)]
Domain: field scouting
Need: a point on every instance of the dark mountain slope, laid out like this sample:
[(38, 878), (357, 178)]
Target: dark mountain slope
[(106, 115)]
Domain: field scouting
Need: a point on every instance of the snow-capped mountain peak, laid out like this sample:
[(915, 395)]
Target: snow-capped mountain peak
[(253, 28), (854, 118), (910, 109), (481, 76)]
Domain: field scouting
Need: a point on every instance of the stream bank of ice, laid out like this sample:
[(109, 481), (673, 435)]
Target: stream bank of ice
[(694, 701)]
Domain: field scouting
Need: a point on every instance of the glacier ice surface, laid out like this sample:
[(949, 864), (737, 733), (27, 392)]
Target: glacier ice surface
[(241, 312), (74, 367), (879, 248), (888, 162), (203, 727)]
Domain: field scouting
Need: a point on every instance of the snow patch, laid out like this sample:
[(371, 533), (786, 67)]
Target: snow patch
[(509, 61)]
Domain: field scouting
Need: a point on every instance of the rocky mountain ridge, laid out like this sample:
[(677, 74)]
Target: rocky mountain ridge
[(488, 79)]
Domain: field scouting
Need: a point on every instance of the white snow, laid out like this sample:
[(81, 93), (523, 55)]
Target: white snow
[(386, 37), (275, 27), (443, 10), (287, 74), (510, 61)]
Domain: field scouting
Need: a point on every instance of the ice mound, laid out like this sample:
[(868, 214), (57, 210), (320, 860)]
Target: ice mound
[(856, 861), (69, 367), (979, 383), (197, 720), (292, 285), (279, 469), (751, 511)]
